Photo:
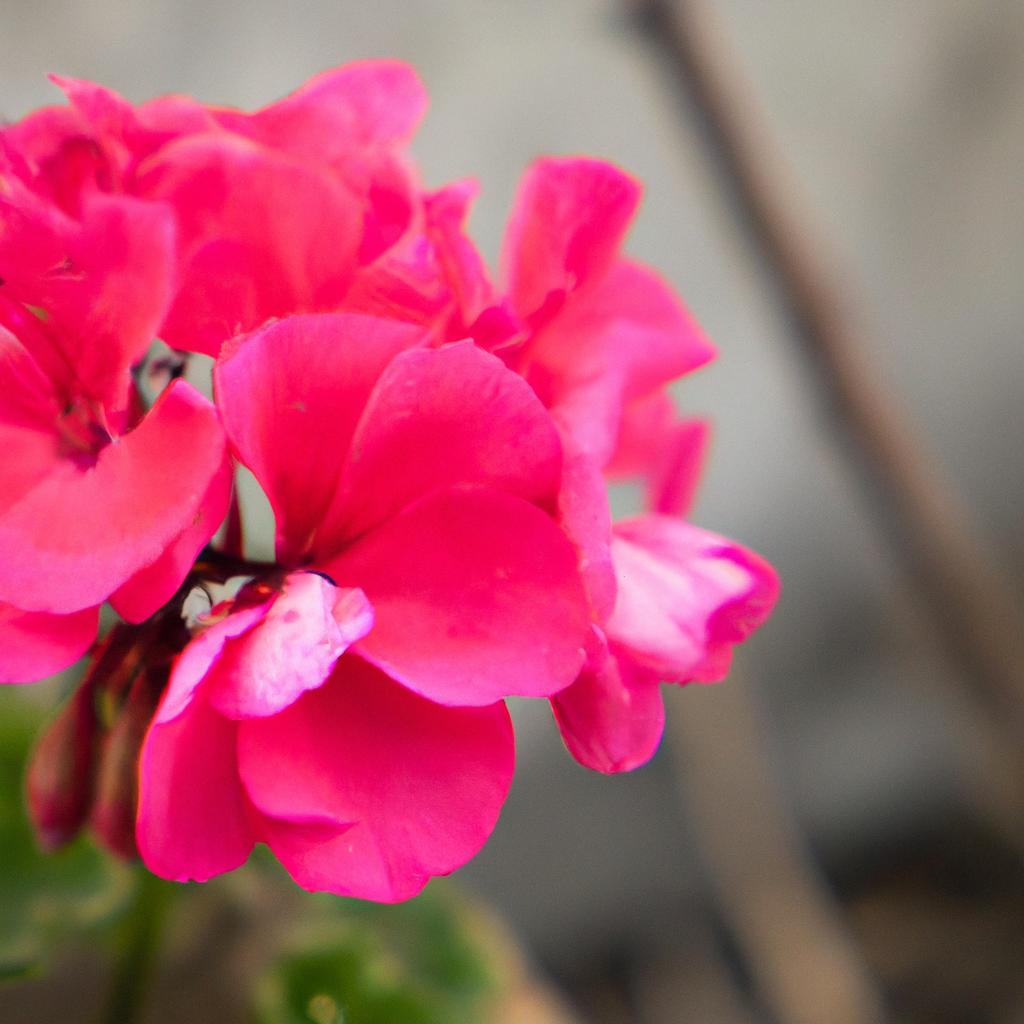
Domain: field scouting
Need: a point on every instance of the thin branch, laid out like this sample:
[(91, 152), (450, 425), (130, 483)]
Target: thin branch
[(975, 612), (792, 933), (805, 963), (137, 950)]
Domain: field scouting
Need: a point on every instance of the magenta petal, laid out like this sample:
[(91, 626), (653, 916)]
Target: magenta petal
[(83, 532), (566, 226), (476, 597), (433, 274), (27, 395), (645, 326), (613, 716), (29, 411), (623, 338), (685, 597), (50, 151), (290, 397), (422, 784), (665, 452), (464, 269), (673, 480), (245, 211), (154, 586), (193, 820), (438, 418), (104, 281), (34, 645), (353, 120), (361, 104), (306, 629), (586, 518), (200, 655)]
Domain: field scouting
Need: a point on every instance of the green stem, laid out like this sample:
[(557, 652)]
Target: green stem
[(137, 944)]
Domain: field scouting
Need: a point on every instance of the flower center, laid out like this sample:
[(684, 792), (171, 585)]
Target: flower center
[(82, 431)]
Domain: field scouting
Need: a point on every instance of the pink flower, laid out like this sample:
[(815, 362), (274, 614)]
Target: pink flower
[(685, 598), (307, 205), (436, 452), (97, 501), (34, 645), (602, 332), (354, 721), (599, 339)]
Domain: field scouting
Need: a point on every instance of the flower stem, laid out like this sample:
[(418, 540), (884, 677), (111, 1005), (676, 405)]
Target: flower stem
[(137, 944)]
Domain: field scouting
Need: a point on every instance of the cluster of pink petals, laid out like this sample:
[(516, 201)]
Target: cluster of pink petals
[(353, 720), (98, 500), (435, 446)]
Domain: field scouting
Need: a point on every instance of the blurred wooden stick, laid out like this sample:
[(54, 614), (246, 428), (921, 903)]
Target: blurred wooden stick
[(804, 962), (782, 914), (975, 612)]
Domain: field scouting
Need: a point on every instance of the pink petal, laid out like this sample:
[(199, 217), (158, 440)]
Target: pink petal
[(404, 284), (621, 339), (647, 326), (685, 597), (193, 819), (290, 397), (39, 135), (83, 532), (352, 119), (361, 104), (612, 717), (437, 418), (27, 395), (476, 597), (306, 629), (672, 481), (586, 518), (434, 275), (152, 587), (167, 117), (29, 412), (566, 227), (446, 211), (52, 152), (104, 281), (422, 784), (665, 452), (34, 645), (263, 235), (194, 664), (110, 116)]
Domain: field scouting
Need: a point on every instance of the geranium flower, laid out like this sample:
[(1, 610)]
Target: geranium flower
[(685, 598), (601, 331), (436, 451), (306, 205), (353, 720), (97, 501), (599, 337)]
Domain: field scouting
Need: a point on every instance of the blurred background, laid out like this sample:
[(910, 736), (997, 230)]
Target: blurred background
[(831, 834)]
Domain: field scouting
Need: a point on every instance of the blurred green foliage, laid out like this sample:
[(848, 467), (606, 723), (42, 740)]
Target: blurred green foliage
[(44, 897), (338, 961), (361, 963)]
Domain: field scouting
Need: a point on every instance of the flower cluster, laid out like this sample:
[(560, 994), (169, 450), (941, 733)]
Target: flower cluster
[(435, 445)]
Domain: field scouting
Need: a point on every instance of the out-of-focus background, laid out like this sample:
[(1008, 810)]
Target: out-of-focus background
[(845, 739)]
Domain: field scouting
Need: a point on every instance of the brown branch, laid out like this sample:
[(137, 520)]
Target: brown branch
[(975, 612), (805, 964), (786, 922)]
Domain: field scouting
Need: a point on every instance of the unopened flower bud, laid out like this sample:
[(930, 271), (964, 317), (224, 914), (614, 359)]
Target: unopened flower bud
[(116, 792), (59, 781)]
